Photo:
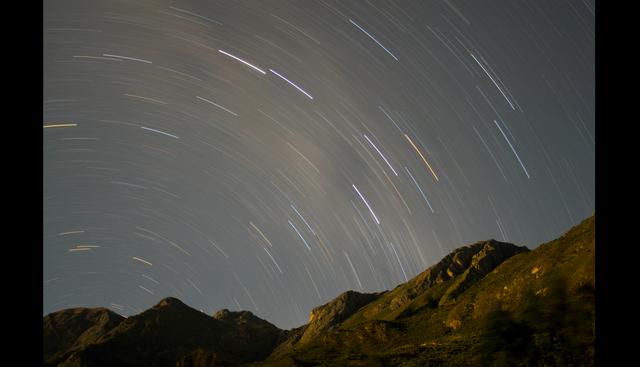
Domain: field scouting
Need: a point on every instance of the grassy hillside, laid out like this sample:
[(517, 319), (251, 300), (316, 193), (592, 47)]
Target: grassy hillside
[(535, 308)]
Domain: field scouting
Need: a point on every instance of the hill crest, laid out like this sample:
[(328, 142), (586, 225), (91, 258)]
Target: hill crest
[(444, 314)]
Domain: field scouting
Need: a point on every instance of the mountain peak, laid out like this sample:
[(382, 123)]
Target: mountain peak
[(170, 302), (464, 266), (488, 256), (484, 289), (460, 259)]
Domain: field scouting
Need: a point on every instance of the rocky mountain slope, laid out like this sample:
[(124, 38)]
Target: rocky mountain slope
[(488, 303)]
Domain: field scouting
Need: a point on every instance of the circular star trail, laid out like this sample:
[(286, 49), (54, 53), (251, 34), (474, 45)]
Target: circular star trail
[(269, 155)]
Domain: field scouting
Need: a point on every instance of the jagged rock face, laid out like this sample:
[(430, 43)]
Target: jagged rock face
[(485, 254), (465, 311), (491, 254), (336, 311), (472, 261), (74, 328)]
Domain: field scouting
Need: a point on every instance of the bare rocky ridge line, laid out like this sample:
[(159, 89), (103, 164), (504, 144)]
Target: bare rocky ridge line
[(448, 297), (472, 261)]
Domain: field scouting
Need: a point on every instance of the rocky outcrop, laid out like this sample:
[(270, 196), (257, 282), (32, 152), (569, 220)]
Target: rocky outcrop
[(440, 317), (339, 309), (483, 302), (482, 255), (464, 265), (492, 253)]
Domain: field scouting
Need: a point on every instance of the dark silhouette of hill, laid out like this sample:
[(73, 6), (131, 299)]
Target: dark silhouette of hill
[(171, 333), (75, 328), (490, 303)]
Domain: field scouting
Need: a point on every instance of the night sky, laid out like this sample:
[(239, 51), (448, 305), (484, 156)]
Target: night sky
[(270, 155)]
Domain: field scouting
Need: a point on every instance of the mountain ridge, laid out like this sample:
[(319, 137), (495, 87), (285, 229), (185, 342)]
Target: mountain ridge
[(445, 314)]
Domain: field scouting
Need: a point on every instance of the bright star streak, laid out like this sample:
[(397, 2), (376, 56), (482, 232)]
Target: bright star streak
[(59, 125), (142, 261), (379, 152), (375, 40), (304, 220), (261, 234), (494, 82), (302, 238), (292, 83), (242, 61), (421, 156), (159, 132), (367, 204), (274, 260)]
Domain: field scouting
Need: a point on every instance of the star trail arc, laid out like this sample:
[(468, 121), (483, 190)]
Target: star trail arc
[(270, 155)]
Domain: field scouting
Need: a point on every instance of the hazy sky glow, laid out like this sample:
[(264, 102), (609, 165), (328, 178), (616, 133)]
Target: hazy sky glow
[(269, 155)]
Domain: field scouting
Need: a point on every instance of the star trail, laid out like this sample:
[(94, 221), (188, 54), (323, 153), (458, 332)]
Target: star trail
[(270, 155)]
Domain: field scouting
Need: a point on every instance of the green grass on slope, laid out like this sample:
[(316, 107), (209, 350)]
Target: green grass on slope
[(536, 308)]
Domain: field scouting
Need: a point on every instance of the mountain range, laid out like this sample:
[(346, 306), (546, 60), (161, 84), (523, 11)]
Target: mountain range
[(489, 303)]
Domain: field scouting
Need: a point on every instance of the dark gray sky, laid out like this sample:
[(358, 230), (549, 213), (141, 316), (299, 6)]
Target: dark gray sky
[(269, 155)]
